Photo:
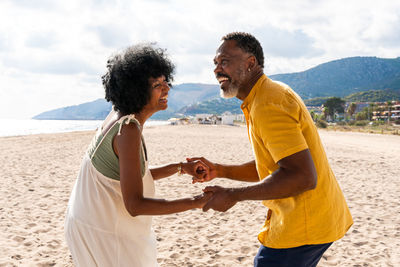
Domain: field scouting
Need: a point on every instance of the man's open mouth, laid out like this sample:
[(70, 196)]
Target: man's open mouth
[(222, 79)]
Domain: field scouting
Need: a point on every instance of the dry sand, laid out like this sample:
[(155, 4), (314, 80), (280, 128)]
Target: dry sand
[(38, 171)]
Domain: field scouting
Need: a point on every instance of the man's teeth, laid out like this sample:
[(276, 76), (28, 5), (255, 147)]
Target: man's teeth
[(164, 98), (220, 80)]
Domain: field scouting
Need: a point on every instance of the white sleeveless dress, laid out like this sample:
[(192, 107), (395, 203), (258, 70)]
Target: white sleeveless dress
[(99, 230)]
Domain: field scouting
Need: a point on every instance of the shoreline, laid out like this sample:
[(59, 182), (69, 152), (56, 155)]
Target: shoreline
[(39, 170), (23, 127), (348, 129)]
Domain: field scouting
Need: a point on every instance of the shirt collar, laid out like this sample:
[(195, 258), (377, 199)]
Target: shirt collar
[(250, 97)]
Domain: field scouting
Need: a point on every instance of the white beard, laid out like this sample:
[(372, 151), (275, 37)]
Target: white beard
[(233, 88), (231, 92)]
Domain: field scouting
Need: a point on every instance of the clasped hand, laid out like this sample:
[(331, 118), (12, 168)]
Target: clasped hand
[(214, 197), (197, 169)]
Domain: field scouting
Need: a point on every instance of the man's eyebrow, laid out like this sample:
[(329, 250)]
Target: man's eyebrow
[(224, 56)]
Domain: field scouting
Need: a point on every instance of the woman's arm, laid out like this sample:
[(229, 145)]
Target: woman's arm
[(127, 147), (165, 171), (195, 168), (246, 172)]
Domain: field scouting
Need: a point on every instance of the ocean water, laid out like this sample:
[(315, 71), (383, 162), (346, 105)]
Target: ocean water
[(16, 127)]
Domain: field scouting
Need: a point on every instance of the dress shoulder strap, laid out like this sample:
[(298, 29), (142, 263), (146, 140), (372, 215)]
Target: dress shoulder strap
[(126, 120)]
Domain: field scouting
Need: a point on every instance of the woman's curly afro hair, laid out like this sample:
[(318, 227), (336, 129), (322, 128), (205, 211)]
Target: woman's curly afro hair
[(126, 82)]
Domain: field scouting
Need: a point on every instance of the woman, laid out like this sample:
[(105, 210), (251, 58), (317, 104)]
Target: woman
[(107, 222)]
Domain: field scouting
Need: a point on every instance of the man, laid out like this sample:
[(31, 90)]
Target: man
[(307, 209)]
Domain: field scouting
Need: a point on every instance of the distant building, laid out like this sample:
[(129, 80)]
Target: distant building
[(226, 118), (316, 109), (396, 111), (239, 117), (383, 111), (179, 121)]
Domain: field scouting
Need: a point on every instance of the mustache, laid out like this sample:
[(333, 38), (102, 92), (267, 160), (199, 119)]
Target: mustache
[(221, 75)]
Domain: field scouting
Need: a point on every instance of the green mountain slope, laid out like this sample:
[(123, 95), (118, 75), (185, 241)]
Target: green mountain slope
[(188, 93), (214, 106), (374, 96), (345, 76), (95, 110)]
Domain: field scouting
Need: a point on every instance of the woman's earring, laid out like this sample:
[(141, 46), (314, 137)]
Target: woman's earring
[(248, 69)]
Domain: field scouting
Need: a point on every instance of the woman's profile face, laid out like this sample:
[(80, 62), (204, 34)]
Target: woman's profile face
[(159, 94)]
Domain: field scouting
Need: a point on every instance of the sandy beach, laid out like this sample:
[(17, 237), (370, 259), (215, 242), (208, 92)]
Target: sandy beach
[(38, 172)]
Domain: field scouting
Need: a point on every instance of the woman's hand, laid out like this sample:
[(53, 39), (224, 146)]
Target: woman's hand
[(208, 165), (202, 199), (196, 168), (222, 198)]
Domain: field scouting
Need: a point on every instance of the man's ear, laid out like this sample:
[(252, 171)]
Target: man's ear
[(251, 61)]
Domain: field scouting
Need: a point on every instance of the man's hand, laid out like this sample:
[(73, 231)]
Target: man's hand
[(222, 199), (198, 169), (210, 174), (202, 199)]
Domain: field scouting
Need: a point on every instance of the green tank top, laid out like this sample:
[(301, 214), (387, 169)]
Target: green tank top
[(102, 154)]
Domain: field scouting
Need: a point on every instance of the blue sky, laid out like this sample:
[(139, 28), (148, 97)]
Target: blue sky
[(53, 53)]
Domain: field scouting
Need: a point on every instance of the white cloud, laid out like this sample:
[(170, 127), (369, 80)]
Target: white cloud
[(43, 40), (282, 43), (52, 53), (42, 63)]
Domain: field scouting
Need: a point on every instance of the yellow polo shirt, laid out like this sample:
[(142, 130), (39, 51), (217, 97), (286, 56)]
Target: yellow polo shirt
[(280, 125)]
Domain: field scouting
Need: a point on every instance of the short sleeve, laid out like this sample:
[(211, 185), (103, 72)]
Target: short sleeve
[(278, 126)]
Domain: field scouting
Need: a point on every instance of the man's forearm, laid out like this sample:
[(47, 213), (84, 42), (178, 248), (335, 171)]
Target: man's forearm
[(246, 172), (281, 184)]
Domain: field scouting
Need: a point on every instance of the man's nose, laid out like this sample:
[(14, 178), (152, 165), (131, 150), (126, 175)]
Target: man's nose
[(217, 68)]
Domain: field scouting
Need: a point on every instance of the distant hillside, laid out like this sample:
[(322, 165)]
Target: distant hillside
[(374, 96), (367, 96), (345, 76), (317, 101), (214, 106), (185, 94), (95, 110), (339, 78), (179, 96), (188, 93)]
